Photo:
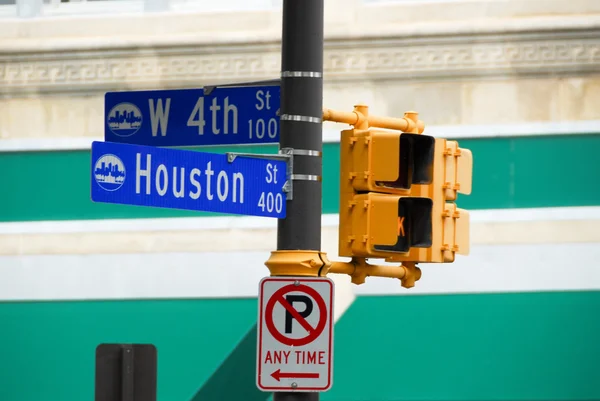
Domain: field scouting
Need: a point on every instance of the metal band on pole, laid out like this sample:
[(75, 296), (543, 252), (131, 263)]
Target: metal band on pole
[(305, 152), (305, 177), (301, 74), (305, 119)]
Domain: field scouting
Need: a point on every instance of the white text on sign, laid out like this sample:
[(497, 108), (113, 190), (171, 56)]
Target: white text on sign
[(268, 200), (226, 112), (195, 182)]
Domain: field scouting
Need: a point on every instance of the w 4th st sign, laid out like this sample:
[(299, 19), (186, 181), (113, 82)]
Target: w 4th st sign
[(295, 334)]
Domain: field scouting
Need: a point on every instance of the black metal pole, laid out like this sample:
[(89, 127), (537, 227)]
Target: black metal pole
[(301, 121), (302, 130)]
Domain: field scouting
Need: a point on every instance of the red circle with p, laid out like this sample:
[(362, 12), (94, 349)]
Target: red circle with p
[(313, 332)]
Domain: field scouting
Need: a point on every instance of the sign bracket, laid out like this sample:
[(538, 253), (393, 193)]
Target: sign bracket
[(207, 89), (285, 154)]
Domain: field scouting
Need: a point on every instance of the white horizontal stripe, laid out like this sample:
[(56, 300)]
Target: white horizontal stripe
[(494, 130), (251, 240), (552, 226), (331, 133), (512, 268), (250, 222), (493, 268), (131, 276), (109, 276), (535, 214), (523, 129), (47, 144)]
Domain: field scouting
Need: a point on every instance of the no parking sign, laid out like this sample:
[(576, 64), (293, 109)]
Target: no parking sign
[(295, 334)]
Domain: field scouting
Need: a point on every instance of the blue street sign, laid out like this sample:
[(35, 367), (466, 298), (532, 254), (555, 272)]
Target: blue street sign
[(184, 179), (187, 117)]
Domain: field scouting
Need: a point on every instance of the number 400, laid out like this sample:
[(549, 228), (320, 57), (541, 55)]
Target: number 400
[(271, 202)]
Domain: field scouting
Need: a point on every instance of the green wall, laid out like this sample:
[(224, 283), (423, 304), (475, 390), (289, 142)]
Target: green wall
[(508, 173), (484, 347), (47, 349), (509, 347)]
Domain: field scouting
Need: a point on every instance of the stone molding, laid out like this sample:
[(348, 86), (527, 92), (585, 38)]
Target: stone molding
[(356, 60), (524, 48)]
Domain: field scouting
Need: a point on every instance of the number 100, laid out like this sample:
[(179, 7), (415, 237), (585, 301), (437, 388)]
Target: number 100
[(259, 127)]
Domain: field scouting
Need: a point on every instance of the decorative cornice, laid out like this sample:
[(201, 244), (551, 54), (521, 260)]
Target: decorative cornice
[(390, 57), (470, 57), (127, 70)]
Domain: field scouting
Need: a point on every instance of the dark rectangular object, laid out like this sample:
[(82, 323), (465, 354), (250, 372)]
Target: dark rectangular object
[(126, 372)]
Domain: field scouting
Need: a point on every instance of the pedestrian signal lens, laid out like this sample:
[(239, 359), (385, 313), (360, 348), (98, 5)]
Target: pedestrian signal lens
[(414, 225), (415, 163)]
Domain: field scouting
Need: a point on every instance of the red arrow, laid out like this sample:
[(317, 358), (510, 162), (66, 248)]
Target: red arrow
[(279, 375)]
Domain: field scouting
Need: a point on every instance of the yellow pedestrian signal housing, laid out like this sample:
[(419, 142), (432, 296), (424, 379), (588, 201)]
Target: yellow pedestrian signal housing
[(388, 223), (397, 193), (390, 161)]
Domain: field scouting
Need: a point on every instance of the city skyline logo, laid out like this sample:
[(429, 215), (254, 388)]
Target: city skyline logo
[(109, 172), (125, 119)]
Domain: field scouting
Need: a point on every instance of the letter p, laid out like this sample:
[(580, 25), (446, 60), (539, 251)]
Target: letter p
[(305, 313)]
